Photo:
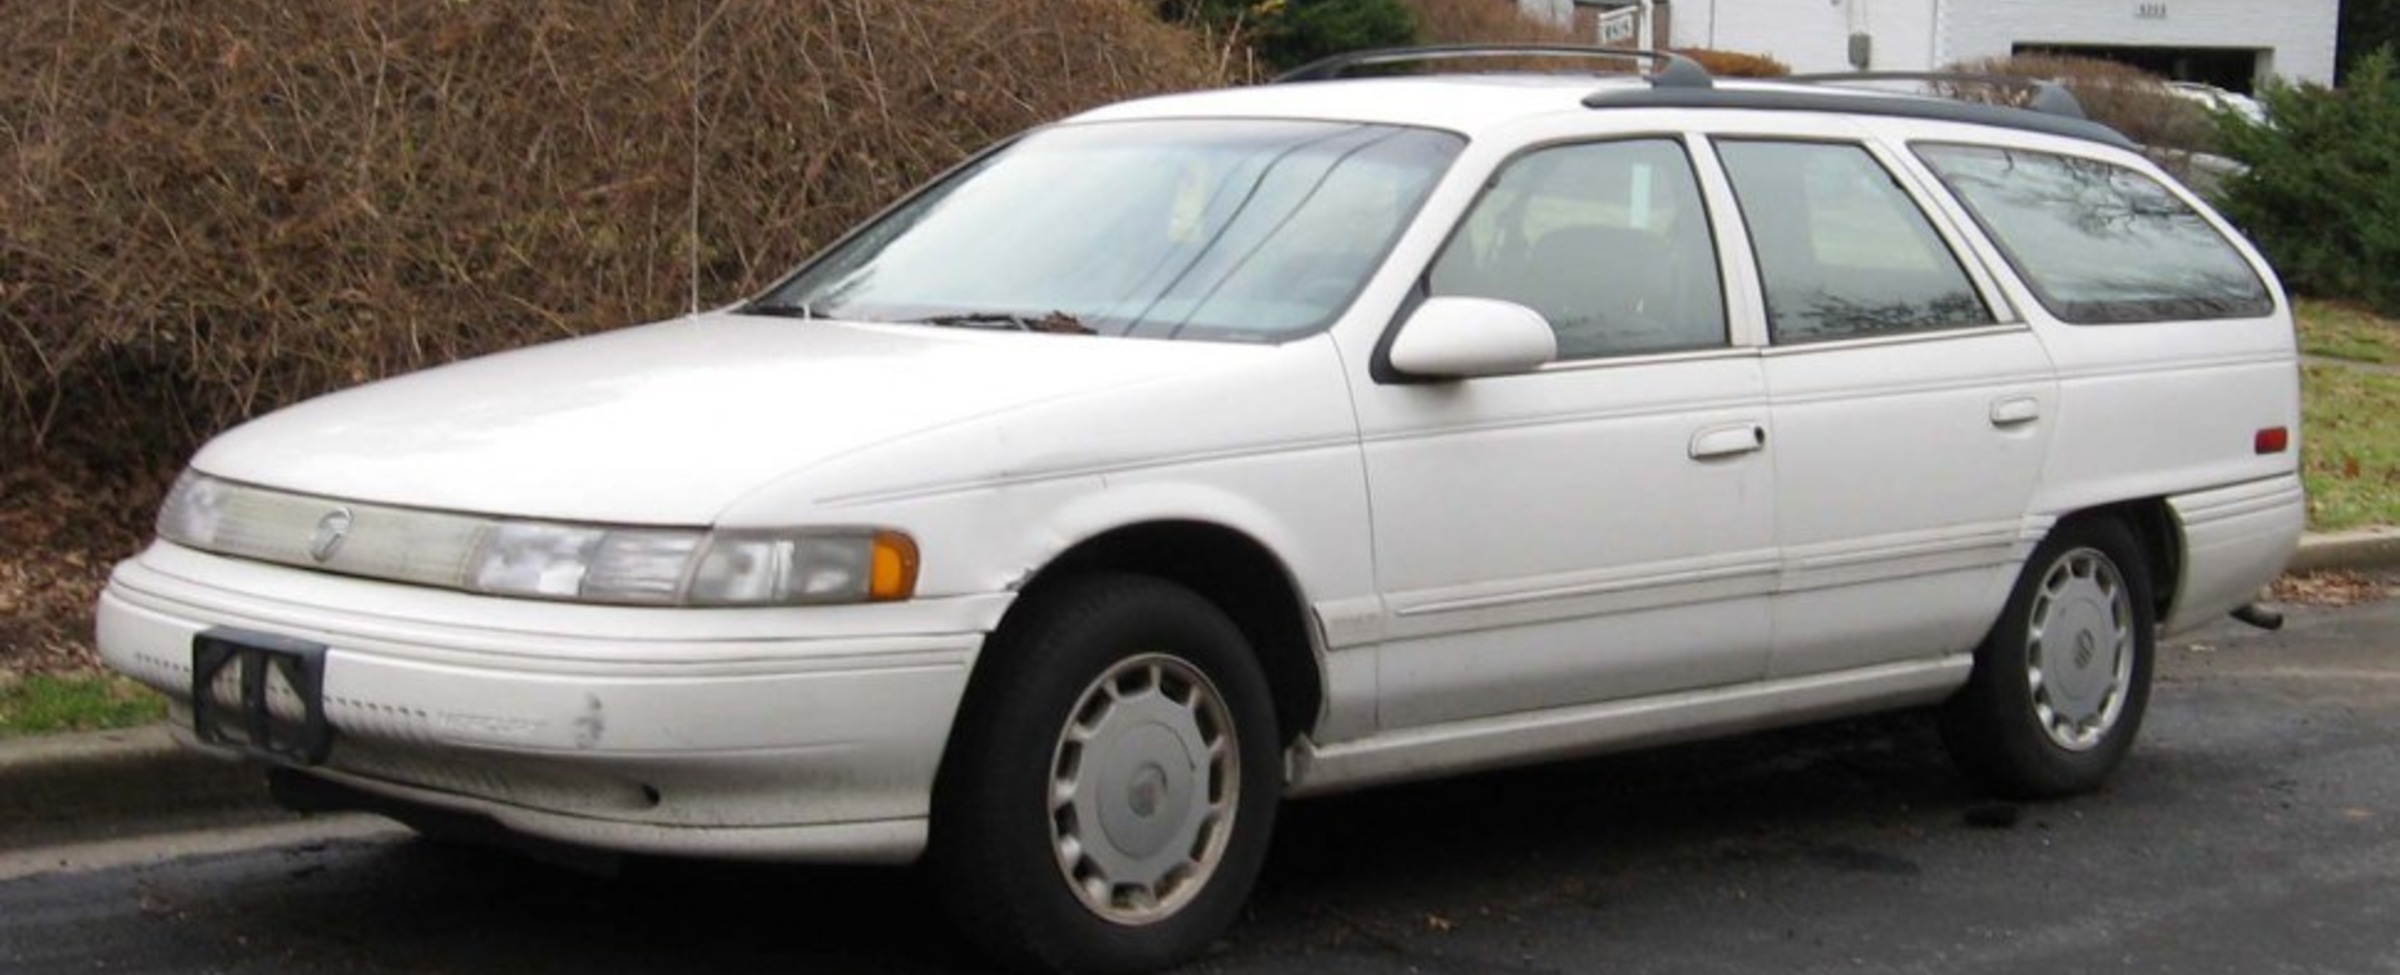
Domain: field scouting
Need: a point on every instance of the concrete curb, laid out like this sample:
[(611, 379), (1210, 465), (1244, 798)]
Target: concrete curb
[(74, 788), (110, 784), (2363, 549)]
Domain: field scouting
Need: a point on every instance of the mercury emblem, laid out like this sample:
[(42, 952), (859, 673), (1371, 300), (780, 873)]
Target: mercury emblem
[(332, 530)]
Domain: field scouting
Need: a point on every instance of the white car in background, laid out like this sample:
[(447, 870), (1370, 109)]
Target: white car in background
[(1202, 451), (2218, 99)]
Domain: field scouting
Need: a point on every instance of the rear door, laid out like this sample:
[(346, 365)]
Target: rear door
[(1912, 408)]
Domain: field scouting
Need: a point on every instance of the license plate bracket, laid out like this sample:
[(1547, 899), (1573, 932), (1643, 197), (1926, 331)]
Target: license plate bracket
[(251, 725)]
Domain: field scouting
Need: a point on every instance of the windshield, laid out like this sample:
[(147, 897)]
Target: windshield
[(1230, 230)]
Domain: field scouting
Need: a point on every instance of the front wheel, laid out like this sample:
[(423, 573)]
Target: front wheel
[(2061, 682), (1112, 784)]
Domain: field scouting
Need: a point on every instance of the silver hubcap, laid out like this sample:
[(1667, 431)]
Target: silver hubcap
[(1143, 789), (2079, 649)]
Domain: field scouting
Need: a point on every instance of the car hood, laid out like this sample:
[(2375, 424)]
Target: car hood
[(669, 423)]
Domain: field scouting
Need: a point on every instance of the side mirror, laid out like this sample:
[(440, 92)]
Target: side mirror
[(1456, 338)]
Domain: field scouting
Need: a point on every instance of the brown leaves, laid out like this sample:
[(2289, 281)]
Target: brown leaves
[(60, 530), (2335, 588)]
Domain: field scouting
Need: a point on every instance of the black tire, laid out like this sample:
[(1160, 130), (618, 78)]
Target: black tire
[(2066, 737), (996, 830)]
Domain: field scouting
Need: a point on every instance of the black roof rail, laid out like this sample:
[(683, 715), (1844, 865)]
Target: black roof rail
[(1772, 96), (2046, 97), (1675, 70)]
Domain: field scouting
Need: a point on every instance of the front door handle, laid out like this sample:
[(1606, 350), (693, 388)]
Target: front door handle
[(1728, 441), (2015, 411)]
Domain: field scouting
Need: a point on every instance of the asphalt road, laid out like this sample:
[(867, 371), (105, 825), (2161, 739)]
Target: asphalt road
[(2256, 830)]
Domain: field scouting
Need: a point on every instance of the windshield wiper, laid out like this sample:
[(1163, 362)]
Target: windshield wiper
[(1057, 322), (779, 311)]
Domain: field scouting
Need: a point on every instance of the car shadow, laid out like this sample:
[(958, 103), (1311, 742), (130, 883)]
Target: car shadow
[(1369, 870)]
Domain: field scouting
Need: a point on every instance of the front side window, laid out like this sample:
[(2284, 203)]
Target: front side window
[(1235, 230), (2098, 242), (1609, 241), (1842, 250)]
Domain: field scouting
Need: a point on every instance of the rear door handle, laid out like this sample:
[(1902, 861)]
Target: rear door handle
[(1728, 441), (2015, 411)]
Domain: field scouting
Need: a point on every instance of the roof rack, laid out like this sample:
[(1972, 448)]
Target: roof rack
[(1675, 70), (2054, 114), (2046, 97), (1681, 82)]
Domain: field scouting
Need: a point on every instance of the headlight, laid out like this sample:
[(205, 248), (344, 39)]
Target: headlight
[(664, 567), (542, 560), (194, 511), (823, 567)]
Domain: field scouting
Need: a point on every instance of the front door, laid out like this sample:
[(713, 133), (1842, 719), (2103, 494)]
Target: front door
[(1602, 528)]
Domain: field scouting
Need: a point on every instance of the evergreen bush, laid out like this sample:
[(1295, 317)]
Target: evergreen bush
[(1486, 22), (2321, 195), (1300, 31), (1289, 33)]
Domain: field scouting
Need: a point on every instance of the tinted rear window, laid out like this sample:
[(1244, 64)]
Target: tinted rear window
[(2097, 242)]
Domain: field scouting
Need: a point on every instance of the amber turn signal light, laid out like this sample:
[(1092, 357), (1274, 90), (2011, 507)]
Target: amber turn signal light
[(893, 576)]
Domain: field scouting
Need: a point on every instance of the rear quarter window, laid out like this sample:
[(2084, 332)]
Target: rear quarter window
[(2099, 243)]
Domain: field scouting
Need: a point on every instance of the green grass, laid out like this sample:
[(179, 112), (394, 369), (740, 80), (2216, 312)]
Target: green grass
[(2350, 447), (89, 702), (2338, 332)]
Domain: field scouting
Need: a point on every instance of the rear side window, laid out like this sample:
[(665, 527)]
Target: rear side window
[(1842, 252), (2097, 242)]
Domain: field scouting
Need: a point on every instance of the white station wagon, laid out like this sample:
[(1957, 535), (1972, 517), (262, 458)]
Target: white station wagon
[(1203, 451)]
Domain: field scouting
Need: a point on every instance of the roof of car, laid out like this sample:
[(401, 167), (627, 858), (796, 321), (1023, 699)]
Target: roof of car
[(1471, 104), (1467, 104)]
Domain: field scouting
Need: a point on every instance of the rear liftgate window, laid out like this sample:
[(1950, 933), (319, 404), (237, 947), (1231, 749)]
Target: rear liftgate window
[(2100, 243)]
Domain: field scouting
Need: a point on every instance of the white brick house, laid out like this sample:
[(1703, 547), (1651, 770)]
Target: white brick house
[(2230, 43)]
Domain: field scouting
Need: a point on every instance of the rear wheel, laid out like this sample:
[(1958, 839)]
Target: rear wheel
[(2061, 682), (1110, 790)]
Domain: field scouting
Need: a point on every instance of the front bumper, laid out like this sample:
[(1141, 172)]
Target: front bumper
[(807, 733)]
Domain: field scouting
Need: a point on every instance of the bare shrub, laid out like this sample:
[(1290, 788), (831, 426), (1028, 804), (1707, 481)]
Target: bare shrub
[(211, 209), (1736, 64), (2125, 98)]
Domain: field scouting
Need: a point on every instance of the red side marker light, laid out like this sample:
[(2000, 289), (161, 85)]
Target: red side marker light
[(2272, 440)]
